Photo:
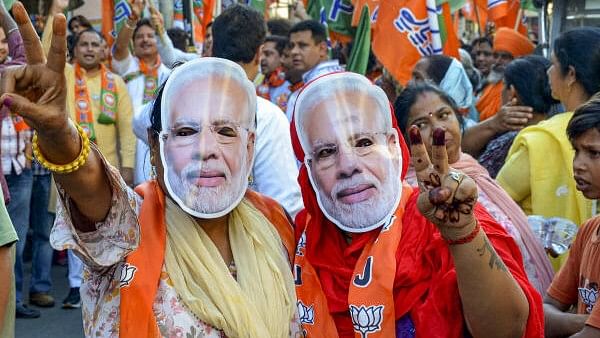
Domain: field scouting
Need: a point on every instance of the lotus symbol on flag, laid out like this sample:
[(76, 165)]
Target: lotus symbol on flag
[(127, 273), (366, 319), (301, 245), (589, 297), (306, 314)]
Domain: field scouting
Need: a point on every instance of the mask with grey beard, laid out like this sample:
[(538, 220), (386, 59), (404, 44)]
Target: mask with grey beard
[(206, 202), (366, 215)]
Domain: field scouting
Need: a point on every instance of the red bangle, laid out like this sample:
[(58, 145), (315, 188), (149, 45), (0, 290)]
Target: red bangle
[(467, 238)]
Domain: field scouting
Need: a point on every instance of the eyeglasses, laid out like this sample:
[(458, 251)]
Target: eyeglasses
[(186, 134), (326, 155)]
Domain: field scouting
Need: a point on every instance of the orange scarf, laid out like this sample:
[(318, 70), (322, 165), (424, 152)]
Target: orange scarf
[(141, 272), (490, 101), (150, 79), (83, 105), (275, 79), (370, 297)]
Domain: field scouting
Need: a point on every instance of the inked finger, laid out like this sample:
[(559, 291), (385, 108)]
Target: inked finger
[(418, 152), (439, 155), (57, 56), (31, 41)]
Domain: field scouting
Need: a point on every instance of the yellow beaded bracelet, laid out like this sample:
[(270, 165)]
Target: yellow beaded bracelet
[(69, 167)]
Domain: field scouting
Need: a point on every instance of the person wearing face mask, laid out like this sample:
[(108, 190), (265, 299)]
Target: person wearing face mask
[(206, 239), (378, 258)]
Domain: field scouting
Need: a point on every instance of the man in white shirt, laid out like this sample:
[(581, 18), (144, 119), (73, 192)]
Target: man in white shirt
[(309, 52), (143, 72)]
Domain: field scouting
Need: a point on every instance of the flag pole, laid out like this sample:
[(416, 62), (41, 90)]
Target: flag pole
[(519, 16), (477, 18)]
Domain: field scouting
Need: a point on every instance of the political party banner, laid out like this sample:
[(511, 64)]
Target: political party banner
[(418, 28)]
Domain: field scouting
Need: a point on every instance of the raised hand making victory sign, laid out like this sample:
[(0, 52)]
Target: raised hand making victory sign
[(447, 196), (37, 91)]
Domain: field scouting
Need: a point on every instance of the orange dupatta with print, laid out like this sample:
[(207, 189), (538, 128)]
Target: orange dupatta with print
[(83, 104), (370, 298), (490, 101), (150, 79), (140, 274)]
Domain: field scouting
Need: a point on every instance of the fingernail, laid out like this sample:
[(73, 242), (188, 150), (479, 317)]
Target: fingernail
[(414, 135), (7, 101), (439, 136)]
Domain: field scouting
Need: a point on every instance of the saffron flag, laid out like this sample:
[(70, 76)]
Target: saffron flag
[(115, 12), (418, 28), (372, 5), (178, 17), (505, 13), (359, 57), (203, 16)]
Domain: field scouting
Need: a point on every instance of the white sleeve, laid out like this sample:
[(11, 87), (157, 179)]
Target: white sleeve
[(275, 172), (171, 55), (125, 66), (141, 122)]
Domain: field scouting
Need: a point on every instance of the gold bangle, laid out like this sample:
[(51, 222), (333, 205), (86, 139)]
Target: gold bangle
[(69, 167)]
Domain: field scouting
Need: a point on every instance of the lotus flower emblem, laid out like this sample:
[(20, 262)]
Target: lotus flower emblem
[(589, 297), (366, 319), (306, 314), (127, 273), (301, 245)]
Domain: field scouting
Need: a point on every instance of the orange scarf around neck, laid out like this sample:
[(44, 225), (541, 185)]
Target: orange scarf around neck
[(140, 274)]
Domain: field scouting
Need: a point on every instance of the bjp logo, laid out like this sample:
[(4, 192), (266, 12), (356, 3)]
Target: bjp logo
[(306, 314), (589, 296), (127, 273), (366, 319)]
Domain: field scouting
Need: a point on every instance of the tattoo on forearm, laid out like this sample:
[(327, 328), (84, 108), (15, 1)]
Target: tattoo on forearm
[(495, 260)]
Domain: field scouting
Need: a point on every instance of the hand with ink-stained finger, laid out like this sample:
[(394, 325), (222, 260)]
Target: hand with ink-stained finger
[(447, 196)]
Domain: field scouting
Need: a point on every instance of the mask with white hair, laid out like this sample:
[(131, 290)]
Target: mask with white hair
[(208, 116), (352, 151)]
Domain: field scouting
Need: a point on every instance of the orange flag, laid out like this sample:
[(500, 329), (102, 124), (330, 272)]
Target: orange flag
[(407, 30), (358, 5), (505, 13)]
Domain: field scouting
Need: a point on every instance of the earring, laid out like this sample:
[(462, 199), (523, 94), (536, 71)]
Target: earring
[(250, 180)]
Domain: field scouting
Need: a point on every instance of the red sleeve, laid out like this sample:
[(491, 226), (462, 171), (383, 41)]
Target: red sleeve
[(508, 250)]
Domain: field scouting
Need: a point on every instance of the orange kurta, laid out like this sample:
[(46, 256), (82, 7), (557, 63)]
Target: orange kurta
[(490, 101)]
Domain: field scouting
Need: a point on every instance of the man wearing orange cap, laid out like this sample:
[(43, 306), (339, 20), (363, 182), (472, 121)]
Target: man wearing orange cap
[(508, 45)]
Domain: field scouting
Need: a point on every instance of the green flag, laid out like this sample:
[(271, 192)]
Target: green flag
[(335, 14), (359, 57), (339, 16), (8, 3), (259, 5), (454, 4)]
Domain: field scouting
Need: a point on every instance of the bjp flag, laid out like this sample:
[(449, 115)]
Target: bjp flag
[(372, 5), (114, 14), (505, 13), (407, 30)]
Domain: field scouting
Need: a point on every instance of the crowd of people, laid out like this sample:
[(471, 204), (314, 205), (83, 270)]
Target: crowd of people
[(257, 189)]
